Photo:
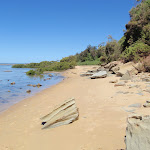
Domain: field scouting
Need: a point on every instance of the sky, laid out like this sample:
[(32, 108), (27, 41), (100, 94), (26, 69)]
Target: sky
[(45, 30)]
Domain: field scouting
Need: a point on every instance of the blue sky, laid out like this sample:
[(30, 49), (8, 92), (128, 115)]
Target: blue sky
[(38, 30)]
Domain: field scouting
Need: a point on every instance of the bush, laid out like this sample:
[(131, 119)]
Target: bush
[(31, 72), (136, 51), (18, 66), (103, 59)]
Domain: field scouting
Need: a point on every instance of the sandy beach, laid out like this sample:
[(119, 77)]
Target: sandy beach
[(103, 110)]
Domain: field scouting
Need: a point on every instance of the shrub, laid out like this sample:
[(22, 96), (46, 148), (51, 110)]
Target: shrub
[(103, 59), (18, 66), (136, 51), (31, 72)]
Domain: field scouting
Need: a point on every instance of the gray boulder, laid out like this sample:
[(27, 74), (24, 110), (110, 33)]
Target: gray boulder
[(100, 74), (137, 132)]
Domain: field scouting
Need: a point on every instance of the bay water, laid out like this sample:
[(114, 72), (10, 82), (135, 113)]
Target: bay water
[(11, 94)]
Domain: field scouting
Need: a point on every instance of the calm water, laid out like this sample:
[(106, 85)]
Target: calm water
[(11, 94)]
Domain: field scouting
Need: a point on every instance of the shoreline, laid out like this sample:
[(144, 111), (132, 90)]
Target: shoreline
[(19, 99), (102, 116)]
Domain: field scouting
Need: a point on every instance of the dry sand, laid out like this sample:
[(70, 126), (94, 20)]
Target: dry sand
[(101, 124)]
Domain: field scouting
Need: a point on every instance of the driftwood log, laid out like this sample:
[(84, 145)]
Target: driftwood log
[(65, 113)]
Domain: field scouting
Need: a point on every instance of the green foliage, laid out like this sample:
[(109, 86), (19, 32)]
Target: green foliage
[(138, 28), (89, 54), (64, 64), (31, 72), (94, 62), (18, 66), (136, 51)]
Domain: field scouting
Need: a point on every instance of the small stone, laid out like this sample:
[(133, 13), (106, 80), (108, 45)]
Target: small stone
[(38, 85), (140, 94), (28, 91), (29, 85), (120, 84), (48, 78), (34, 85), (50, 75), (137, 105), (12, 83), (113, 81)]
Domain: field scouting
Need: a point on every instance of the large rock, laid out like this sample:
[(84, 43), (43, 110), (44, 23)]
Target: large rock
[(63, 114), (130, 66), (100, 74), (138, 132)]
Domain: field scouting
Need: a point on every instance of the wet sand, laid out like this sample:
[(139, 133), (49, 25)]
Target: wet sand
[(102, 121)]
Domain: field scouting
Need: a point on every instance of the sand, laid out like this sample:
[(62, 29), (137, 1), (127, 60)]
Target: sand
[(103, 111)]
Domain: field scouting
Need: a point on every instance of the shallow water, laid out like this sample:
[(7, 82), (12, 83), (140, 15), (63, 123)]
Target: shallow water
[(11, 94)]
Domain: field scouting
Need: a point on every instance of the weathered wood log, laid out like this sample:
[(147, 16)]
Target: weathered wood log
[(63, 114)]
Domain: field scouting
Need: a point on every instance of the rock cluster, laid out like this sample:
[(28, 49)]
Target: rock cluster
[(125, 71)]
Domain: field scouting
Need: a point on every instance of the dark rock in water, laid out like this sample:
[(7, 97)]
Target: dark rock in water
[(50, 75), (44, 79), (100, 74), (126, 76), (34, 85), (48, 78), (38, 85), (28, 91), (9, 91), (12, 83), (137, 105), (137, 132), (29, 85)]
